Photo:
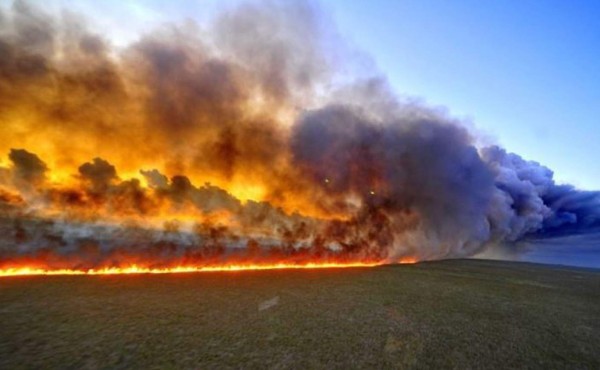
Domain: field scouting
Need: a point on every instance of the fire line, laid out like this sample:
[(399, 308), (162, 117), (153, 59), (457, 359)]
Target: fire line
[(134, 269)]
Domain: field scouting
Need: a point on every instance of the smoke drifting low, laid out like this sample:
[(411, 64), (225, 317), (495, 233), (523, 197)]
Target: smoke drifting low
[(237, 141)]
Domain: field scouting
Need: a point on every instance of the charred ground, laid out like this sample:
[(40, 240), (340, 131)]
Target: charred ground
[(451, 314)]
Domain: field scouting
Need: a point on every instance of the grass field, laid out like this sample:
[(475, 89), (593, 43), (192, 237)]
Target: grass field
[(450, 314)]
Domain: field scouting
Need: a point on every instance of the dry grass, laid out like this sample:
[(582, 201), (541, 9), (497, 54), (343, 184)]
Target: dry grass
[(451, 314)]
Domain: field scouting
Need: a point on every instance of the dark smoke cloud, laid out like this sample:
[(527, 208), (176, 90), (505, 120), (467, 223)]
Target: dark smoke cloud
[(99, 173), (27, 167), (406, 166), (574, 211), (533, 205), (345, 171)]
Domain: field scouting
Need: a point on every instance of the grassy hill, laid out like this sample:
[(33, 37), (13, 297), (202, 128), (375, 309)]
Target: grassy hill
[(448, 314)]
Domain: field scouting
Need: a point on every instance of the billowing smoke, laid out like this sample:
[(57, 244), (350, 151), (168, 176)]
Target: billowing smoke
[(529, 204), (237, 141)]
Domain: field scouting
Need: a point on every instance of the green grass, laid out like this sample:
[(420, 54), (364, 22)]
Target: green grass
[(451, 314)]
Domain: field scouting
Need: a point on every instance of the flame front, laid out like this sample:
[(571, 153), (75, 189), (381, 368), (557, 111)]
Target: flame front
[(133, 269), (34, 270)]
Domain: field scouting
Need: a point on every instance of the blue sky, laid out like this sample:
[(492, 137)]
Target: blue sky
[(526, 73)]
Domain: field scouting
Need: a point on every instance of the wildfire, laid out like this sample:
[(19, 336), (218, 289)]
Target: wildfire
[(182, 153), (134, 269)]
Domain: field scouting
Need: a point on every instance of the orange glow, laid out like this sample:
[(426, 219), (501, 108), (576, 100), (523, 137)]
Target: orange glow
[(408, 260), (133, 269)]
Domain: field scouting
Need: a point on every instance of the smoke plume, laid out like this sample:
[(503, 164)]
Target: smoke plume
[(238, 141)]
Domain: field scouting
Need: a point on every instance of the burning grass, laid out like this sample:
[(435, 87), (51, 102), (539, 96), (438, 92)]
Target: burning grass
[(452, 314), (134, 269)]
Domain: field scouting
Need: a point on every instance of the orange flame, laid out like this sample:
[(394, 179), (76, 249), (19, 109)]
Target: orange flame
[(136, 269)]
